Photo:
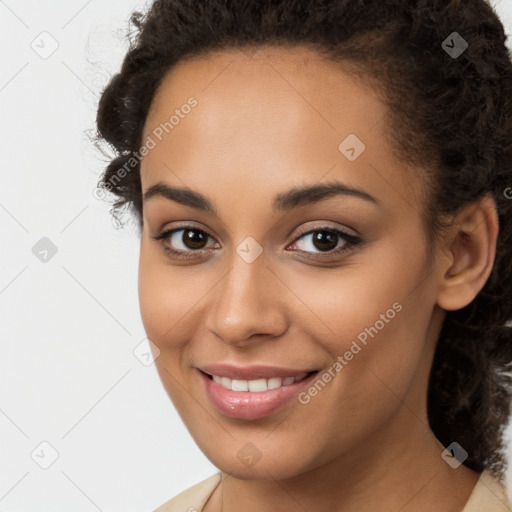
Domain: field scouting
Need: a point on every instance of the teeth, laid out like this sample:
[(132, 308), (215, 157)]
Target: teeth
[(239, 385), (275, 382), (256, 385)]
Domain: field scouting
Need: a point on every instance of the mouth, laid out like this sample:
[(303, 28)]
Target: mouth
[(251, 399), (257, 385)]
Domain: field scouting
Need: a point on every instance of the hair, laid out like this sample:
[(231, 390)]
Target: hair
[(449, 115)]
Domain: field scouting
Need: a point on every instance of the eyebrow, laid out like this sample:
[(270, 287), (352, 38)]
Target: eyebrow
[(283, 202)]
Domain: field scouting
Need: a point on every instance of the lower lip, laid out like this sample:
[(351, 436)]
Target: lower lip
[(249, 405)]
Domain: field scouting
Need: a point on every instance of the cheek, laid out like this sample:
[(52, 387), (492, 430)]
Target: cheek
[(375, 319), (338, 306), (374, 359), (162, 299), (164, 308), (172, 300)]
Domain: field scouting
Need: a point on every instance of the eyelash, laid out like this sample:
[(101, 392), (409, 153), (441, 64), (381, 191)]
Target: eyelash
[(352, 242)]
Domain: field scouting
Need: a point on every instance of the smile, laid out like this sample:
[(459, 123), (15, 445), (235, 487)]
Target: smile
[(251, 399), (258, 385)]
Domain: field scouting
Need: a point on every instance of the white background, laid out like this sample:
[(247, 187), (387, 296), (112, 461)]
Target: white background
[(68, 326)]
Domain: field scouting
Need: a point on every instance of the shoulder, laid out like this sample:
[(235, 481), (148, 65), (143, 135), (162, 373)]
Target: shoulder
[(489, 494), (193, 498)]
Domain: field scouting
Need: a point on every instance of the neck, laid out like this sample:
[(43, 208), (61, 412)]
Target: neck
[(417, 479)]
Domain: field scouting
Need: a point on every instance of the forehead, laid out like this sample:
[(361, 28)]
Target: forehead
[(274, 112), (274, 84)]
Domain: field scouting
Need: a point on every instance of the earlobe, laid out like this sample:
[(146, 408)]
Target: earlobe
[(472, 250)]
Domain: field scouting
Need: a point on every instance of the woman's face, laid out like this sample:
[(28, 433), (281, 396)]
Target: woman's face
[(267, 278)]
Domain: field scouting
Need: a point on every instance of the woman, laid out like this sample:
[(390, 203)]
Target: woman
[(325, 276)]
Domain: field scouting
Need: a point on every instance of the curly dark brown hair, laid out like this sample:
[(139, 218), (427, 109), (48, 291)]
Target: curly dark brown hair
[(450, 115)]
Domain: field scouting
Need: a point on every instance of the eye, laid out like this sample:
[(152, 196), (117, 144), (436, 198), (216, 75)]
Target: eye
[(326, 240), (189, 241), (184, 242)]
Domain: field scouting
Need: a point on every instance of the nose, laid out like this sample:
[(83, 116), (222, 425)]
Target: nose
[(247, 304)]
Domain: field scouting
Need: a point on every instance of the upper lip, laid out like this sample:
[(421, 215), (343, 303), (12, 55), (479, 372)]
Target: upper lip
[(251, 372)]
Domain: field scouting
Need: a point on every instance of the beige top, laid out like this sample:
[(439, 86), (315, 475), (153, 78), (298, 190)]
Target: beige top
[(488, 496)]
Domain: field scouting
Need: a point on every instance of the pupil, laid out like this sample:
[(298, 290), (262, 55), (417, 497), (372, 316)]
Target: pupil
[(325, 240), (194, 239)]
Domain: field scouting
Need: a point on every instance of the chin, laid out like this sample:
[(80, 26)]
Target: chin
[(250, 463)]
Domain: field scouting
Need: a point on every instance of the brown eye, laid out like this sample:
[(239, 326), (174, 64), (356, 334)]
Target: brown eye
[(193, 238), (325, 242), (184, 242), (186, 239), (322, 240)]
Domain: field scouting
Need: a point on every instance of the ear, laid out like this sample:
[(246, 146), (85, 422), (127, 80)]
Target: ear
[(470, 250)]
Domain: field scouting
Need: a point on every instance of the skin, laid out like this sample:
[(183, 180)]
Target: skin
[(266, 123)]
